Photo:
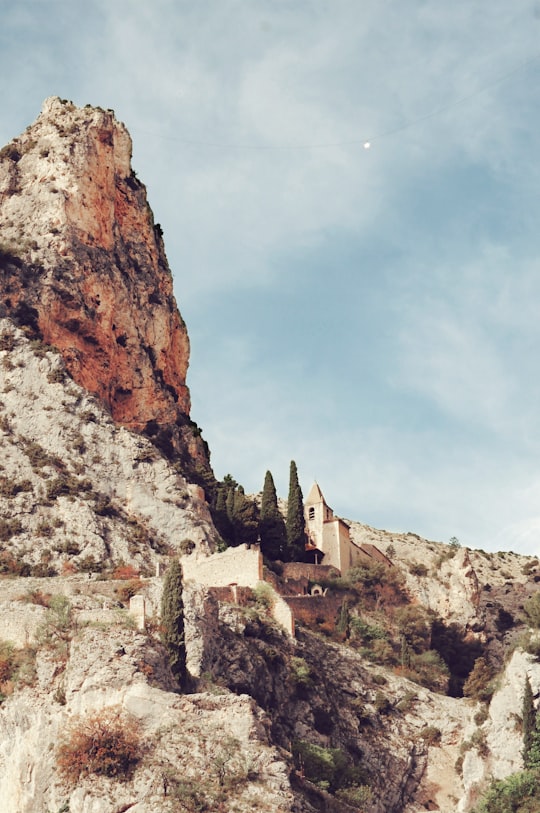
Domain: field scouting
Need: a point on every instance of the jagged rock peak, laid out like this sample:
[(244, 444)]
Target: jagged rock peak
[(82, 264)]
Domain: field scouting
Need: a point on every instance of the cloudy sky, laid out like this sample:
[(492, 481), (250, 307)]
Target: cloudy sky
[(371, 313)]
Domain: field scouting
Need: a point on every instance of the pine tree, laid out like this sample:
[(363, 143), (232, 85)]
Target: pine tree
[(528, 717), (236, 516), (296, 525), (272, 525), (172, 621)]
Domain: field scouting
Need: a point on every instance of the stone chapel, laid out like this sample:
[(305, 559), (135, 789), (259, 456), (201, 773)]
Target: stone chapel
[(329, 539)]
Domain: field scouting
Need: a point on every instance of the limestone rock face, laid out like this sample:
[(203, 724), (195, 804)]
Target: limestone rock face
[(78, 491), (83, 264), (189, 743), (499, 741)]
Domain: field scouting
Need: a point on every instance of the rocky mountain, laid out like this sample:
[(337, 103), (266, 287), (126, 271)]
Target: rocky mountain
[(84, 269), (100, 473)]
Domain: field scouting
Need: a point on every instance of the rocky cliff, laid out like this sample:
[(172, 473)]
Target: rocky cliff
[(83, 267), (93, 356)]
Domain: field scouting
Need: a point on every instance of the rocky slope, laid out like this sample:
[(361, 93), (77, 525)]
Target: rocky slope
[(77, 490), (93, 355)]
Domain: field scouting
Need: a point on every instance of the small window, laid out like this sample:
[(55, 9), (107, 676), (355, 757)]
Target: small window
[(311, 513)]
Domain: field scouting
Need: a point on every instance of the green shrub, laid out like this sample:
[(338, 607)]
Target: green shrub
[(479, 741), (414, 626), (10, 488), (444, 557), (38, 348), (382, 703), (355, 795), (7, 660), (39, 457), (9, 528), (429, 670), (366, 633), (187, 546), (481, 716), (10, 151), (300, 673), (530, 643), (104, 507), (63, 486), (7, 339), (406, 701), (418, 569), (329, 768), (529, 566), (17, 667), (520, 793), (531, 610), (55, 632), (431, 735), (264, 596)]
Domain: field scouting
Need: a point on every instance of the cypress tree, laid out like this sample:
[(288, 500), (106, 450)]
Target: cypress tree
[(344, 618), (296, 525), (220, 517), (172, 621), (272, 525), (528, 716), (532, 761), (229, 505)]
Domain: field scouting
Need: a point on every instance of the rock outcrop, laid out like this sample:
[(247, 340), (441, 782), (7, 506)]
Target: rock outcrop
[(200, 749), (78, 491), (82, 266)]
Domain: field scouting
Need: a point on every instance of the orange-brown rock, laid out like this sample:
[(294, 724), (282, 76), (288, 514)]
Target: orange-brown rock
[(83, 264)]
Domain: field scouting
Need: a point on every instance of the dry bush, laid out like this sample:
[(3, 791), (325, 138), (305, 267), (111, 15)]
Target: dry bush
[(123, 571), (7, 661), (107, 743), (128, 590), (36, 597), (17, 668)]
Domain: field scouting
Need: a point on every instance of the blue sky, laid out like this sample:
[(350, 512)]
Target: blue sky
[(370, 313)]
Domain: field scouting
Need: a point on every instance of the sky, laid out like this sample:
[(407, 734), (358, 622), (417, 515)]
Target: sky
[(350, 198)]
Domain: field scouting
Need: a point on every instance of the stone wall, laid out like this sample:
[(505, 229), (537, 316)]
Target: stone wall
[(283, 614), (299, 570), (19, 622), (242, 565), (233, 594), (311, 608)]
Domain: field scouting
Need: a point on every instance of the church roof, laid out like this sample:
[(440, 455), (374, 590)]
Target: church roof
[(315, 495)]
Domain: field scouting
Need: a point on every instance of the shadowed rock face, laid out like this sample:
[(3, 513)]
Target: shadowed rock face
[(83, 265)]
